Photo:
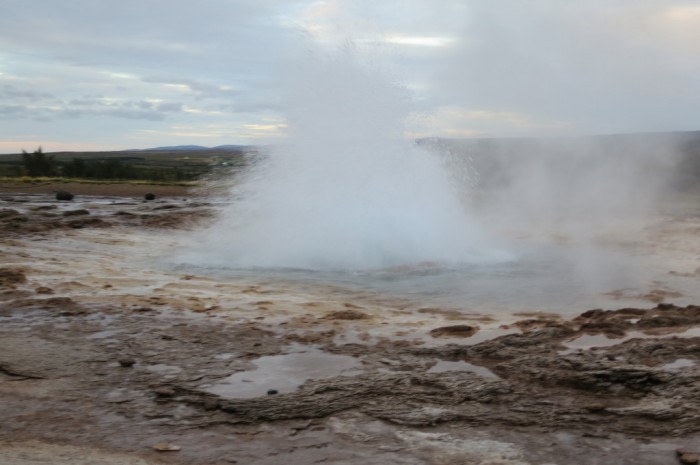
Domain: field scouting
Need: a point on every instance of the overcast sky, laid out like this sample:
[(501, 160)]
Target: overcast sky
[(100, 74)]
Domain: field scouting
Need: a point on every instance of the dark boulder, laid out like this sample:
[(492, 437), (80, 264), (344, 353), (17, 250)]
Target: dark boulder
[(454, 331), (79, 212), (64, 195), (150, 196)]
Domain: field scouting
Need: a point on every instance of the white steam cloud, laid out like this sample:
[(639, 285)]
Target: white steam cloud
[(347, 190)]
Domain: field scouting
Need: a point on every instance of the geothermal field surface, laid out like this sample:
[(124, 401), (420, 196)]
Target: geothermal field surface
[(119, 344)]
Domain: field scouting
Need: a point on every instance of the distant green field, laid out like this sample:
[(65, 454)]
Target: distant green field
[(160, 165)]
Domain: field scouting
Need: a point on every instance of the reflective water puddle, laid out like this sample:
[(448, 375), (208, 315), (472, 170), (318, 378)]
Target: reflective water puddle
[(678, 364), (284, 374), (588, 341)]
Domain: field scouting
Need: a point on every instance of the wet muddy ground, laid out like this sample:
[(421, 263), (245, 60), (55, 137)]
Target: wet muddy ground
[(104, 360)]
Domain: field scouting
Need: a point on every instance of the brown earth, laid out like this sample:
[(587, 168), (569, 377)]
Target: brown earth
[(116, 189), (103, 361)]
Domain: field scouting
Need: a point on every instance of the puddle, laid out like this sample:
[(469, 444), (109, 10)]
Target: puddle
[(692, 332), (678, 364), (284, 373), (588, 341), (443, 366), (595, 340), (418, 337)]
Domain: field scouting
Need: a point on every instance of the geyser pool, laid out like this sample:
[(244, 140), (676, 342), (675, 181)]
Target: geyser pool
[(346, 190), (550, 278), (348, 204)]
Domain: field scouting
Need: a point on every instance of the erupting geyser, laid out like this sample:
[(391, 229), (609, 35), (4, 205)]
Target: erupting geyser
[(347, 190)]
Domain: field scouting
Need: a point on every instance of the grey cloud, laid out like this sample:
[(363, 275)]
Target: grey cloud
[(597, 65), (144, 105), (92, 108), (247, 106), (201, 90), (125, 113), (85, 102), (13, 111), (169, 107), (133, 114), (180, 37), (600, 66), (12, 92)]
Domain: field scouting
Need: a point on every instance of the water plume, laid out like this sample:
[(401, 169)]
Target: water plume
[(347, 189)]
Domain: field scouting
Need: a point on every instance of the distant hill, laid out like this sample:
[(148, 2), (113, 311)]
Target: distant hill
[(172, 148), (232, 147), (189, 148)]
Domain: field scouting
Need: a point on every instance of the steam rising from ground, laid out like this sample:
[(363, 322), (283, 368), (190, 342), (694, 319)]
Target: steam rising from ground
[(577, 188), (347, 190)]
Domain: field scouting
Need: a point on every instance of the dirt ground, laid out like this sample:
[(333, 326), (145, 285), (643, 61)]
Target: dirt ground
[(122, 190), (107, 359)]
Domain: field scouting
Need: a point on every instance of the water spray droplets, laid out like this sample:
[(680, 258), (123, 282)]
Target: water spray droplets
[(347, 190)]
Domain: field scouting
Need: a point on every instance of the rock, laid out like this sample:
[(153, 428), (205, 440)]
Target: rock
[(660, 410), (166, 447), (454, 331), (10, 277), (127, 362), (164, 391), (347, 315), (150, 196), (8, 212), (64, 195), (79, 224), (43, 290), (272, 392), (593, 408), (81, 211), (59, 306), (210, 404), (689, 459)]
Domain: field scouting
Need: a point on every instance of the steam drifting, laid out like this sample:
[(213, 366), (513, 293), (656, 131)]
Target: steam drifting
[(347, 190)]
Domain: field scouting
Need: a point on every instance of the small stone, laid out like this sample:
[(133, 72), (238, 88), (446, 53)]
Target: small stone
[(272, 392), (43, 290), (127, 362), (78, 212), (454, 331), (150, 196), (8, 212), (210, 404), (10, 277), (142, 310), (166, 447), (347, 315), (595, 408), (64, 195), (689, 459), (164, 391)]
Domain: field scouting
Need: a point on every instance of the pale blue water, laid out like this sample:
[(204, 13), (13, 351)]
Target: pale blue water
[(560, 279)]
